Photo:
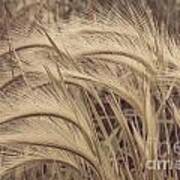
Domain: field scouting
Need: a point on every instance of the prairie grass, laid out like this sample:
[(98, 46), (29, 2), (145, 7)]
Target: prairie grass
[(95, 99)]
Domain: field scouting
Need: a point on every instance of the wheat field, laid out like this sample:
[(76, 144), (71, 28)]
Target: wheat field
[(94, 95)]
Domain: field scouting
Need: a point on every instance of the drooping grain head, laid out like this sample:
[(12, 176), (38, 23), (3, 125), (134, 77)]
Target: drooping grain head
[(89, 99)]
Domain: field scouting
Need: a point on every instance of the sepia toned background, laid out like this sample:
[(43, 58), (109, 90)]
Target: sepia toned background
[(89, 89)]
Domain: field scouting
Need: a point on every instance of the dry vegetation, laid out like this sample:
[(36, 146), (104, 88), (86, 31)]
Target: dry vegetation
[(92, 99)]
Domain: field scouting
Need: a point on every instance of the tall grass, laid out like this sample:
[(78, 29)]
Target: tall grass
[(93, 100)]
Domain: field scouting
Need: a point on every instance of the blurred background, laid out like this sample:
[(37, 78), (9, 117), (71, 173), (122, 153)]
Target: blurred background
[(166, 11)]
